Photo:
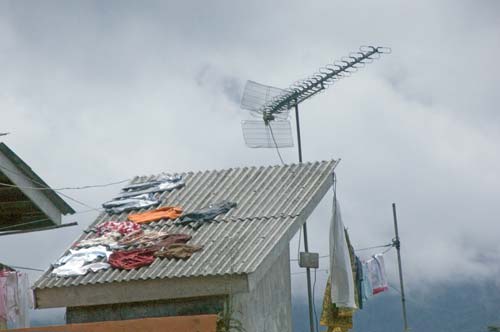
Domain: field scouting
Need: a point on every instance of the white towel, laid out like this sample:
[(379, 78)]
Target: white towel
[(340, 262)]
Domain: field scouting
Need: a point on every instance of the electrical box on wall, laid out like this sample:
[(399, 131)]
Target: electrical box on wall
[(309, 259)]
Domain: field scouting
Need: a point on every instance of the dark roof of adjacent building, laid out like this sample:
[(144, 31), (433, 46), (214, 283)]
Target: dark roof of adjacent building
[(20, 201), (270, 200)]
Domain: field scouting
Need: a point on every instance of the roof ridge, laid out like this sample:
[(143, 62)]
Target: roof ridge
[(193, 172)]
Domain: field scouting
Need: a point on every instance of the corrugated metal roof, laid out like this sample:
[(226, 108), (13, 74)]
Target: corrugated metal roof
[(269, 200)]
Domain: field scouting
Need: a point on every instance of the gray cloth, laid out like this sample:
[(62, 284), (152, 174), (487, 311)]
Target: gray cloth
[(142, 201), (87, 255), (196, 218), (168, 183)]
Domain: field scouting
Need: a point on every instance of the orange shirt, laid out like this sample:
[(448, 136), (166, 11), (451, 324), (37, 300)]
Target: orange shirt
[(166, 212)]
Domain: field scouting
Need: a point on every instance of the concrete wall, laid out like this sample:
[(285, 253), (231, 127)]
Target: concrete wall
[(268, 308), (163, 308)]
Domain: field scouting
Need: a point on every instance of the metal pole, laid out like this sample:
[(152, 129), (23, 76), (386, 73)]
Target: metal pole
[(299, 142), (304, 229), (397, 244)]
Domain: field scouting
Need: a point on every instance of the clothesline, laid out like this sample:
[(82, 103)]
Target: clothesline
[(62, 188), (301, 272), (24, 268), (65, 188), (376, 247), (390, 245), (24, 224), (79, 202), (59, 192)]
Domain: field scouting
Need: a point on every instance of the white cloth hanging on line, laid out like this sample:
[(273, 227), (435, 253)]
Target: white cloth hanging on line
[(340, 262), (377, 275)]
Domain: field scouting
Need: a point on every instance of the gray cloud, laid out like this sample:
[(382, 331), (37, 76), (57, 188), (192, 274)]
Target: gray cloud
[(101, 91)]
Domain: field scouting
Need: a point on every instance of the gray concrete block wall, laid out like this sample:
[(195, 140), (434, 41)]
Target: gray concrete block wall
[(163, 308), (268, 308)]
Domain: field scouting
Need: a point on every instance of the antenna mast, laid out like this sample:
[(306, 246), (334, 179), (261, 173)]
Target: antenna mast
[(397, 244), (326, 76), (278, 102)]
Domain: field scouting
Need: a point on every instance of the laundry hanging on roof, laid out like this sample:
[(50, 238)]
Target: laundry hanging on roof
[(131, 259), (167, 248), (140, 237), (153, 183), (137, 202), (169, 240), (122, 227), (376, 271), (178, 251), (195, 218), (152, 238), (343, 293), (15, 299), (168, 183), (77, 267), (87, 255), (166, 212), (109, 239)]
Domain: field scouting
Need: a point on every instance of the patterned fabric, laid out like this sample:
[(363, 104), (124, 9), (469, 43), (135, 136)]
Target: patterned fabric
[(178, 251), (122, 227), (109, 239), (142, 237), (153, 239), (169, 240), (335, 319), (339, 319)]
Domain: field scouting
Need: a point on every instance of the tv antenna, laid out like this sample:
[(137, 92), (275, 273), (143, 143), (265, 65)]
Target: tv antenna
[(260, 133), (273, 105)]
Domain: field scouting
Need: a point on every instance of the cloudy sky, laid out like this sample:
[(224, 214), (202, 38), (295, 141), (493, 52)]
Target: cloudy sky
[(94, 92)]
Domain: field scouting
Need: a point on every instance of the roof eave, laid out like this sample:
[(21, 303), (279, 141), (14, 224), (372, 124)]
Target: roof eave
[(139, 291), (23, 168)]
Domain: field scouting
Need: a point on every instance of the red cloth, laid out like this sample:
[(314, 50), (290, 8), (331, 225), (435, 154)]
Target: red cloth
[(131, 259)]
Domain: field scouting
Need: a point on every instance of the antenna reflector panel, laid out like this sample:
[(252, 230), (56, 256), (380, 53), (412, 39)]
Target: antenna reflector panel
[(256, 95), (258, 134)]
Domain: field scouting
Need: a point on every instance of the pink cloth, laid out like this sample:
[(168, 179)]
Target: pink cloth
[(3, 298), (15, 299), (122, 227), (376, 270)]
